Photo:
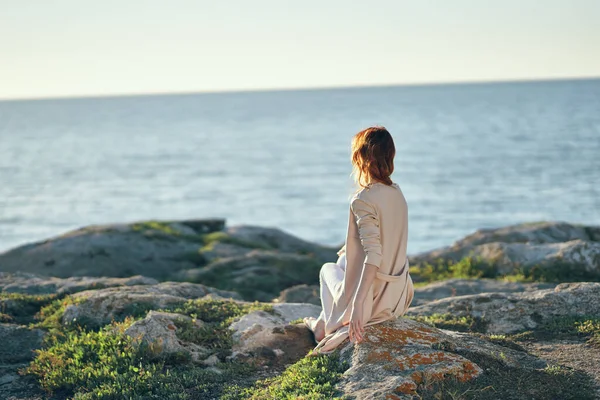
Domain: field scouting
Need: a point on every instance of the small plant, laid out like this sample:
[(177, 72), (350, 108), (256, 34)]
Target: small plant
[(452, 322), (21, 308), (312, 378)]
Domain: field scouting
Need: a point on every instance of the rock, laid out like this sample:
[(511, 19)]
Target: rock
[(154, 249), (269, 338), (514, 312), (300, 294), (219, 250), (94, 308), (18, 343), (34, 284), (554, 250), (398, 356), (259, 275), (16, 351), (159, 331), (276, 239), (211, 361), (461, 287)]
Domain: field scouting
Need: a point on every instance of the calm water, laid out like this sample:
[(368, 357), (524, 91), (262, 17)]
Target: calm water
[(469, 156)]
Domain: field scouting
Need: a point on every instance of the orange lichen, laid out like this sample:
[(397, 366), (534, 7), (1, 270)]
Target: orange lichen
[(407, 387), (392, 396), (400, 337)]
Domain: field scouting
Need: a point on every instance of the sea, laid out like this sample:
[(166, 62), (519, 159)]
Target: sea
[(469, 156)]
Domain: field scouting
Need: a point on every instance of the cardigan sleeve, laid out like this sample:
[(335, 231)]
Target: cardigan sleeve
[(368, 230)]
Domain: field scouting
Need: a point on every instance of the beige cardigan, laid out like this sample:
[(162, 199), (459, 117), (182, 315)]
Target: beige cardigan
[(377, 234)]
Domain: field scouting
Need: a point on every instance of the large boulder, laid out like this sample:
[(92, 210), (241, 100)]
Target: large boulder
[(20, 282), (399, 356), (513, 312), (154, 249), (270, 338), (258, 275), (159, 332), (94, 308), (460, 287), (550, 250)]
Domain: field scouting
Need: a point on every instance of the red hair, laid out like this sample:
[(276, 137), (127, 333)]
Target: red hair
[(373, 153)]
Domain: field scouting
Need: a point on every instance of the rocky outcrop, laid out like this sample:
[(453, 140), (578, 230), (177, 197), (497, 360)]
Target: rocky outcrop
[(397, 357), (258, 275), (514, 312), (34, 284), (257, 262), (154, 249), (554, 250), (95, 308), (460, 287)]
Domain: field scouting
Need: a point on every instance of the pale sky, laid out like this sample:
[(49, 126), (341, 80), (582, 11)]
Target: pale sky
[(52, 48)]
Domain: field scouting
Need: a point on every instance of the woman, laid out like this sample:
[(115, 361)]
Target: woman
[(370, 282)]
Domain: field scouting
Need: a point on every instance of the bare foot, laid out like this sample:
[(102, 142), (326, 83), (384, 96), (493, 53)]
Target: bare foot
[(317, 326)]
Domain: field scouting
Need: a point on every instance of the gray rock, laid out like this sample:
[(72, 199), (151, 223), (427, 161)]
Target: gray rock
[(18, 343), (398, 356), (34, 284), (276, 239), (159, 331), (94, 308), (552, 249), (300, 294), (147, 248), (270, 339), (514, 312), (460, 287), (258, 275)]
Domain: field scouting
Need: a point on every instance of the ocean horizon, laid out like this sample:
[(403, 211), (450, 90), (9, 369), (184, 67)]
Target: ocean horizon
[(469, 156)]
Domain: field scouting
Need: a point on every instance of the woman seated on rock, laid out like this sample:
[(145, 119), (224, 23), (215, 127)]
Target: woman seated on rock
[(370, 282)]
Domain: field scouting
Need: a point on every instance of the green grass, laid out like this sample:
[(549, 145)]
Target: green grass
[(311, 378), (107, 364)]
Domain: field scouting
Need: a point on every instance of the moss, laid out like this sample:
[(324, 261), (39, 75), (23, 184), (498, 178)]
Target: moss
[(221, 237), (477, 267), (452, 322), (312, 378), (500, 381), (21, 308), (468, 267), (163, 231)]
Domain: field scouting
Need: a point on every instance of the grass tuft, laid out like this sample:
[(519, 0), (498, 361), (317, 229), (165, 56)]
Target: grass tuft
[(312, 378)]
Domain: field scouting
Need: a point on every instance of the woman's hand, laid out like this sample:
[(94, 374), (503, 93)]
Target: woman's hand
[(356, 326)]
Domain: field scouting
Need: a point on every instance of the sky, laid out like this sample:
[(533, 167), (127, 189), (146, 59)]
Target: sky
[(63, 48)]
